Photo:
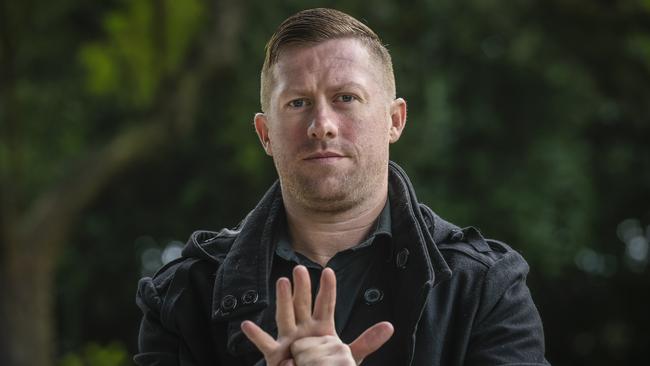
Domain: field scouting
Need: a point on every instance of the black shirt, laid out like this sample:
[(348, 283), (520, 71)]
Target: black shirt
[(351, 266)]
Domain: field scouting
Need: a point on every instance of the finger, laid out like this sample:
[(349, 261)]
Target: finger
[(326, 298), (262, 340), (284, 308), (287, 363), (370, 341), (301, 294)]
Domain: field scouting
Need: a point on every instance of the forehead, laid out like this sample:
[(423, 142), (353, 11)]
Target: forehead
[(333, 61)]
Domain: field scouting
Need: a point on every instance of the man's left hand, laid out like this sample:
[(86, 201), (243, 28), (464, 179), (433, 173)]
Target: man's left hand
[(310, 336)]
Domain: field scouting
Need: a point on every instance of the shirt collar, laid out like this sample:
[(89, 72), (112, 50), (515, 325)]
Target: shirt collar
[(285, 250)]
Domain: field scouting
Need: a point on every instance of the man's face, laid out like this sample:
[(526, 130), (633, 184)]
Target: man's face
[(329, 123)]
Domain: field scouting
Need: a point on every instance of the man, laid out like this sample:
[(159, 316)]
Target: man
[(392, 283)]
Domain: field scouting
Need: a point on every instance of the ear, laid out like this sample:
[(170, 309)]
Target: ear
[(262, 129), (397, 118)]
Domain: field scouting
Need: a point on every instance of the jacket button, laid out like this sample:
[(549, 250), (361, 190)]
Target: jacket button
[(228, 303), (401, 258), (249, 297), (373, 296), (457, 235)]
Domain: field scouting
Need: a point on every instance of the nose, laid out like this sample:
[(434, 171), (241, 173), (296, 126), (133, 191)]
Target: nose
[(323, 125)]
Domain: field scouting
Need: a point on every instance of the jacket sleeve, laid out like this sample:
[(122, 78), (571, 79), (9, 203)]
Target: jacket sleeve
[(157, 345), (508, 329)]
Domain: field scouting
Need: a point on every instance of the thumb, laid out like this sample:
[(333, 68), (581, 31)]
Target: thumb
[(370, 341)]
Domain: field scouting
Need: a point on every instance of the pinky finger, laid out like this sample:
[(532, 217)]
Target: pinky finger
[(262, 340)]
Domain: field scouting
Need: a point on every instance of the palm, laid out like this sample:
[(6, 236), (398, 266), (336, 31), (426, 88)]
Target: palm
[(296, 320)]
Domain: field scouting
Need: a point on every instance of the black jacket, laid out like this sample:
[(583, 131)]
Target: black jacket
[(457, 298)]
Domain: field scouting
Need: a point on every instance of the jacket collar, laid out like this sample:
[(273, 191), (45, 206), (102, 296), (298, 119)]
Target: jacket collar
[(241, 288), (417, 264), (415, 231)]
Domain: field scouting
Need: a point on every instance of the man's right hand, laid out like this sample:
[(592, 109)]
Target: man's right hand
[(309, 338)]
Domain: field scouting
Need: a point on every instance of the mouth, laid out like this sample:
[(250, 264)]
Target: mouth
[(324, 156)]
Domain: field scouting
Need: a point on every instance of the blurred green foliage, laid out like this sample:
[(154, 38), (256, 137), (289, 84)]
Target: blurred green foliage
[(113, 354), (528, 119), (144, 42)]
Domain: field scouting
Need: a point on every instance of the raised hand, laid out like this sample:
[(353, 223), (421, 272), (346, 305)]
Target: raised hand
[(309, 338)]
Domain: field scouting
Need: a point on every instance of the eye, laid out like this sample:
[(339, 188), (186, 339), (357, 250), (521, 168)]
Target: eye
[(346, 98), (298, 103)]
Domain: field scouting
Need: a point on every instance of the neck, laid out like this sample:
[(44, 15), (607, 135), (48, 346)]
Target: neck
[(320, 235)]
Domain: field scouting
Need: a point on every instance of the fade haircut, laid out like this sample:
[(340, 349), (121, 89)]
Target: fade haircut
[(313, 26)]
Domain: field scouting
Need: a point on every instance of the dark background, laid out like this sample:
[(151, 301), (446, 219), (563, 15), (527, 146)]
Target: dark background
[(131, 121)]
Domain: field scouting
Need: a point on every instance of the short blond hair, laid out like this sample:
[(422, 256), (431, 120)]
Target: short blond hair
[(313, 26)]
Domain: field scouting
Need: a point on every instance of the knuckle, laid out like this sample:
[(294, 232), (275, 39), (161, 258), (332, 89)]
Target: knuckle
[(341, 348), (297, 345), (328, 338)]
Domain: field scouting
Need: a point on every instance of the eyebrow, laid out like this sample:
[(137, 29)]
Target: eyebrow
[(336, 88), (292, 91), (348, 85)]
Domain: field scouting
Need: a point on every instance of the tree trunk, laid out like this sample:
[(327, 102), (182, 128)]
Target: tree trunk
[(31, 239), (27, 304)]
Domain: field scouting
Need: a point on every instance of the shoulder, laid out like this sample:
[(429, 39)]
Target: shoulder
[(191, 274), (472, 249), (204, 251), (469, 255), (467, 247), (158, 294), (210, 245), (487, 268)]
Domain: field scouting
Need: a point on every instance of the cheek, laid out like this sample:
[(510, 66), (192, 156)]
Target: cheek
[(287, 137), (348, 131), (295, 133), (372, 130)]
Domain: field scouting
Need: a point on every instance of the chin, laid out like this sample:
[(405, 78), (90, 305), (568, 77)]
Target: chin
[(331, 204), (324, 194)]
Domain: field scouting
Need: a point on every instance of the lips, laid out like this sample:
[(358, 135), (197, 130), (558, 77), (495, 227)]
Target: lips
[(324, 155)]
